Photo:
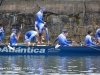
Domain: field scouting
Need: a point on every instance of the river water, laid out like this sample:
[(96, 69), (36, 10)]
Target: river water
[(49, 65)]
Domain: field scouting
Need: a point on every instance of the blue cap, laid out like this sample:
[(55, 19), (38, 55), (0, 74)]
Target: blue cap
[(42, 8), (64, 30), (13, 29)]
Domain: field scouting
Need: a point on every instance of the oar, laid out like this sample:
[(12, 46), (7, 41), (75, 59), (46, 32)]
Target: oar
[(88, 46), (57, 45), (8, 46), (93, 48)]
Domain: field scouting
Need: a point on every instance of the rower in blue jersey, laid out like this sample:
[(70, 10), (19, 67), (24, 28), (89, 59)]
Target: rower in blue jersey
[(1, 33), (14, 37), (62, 39), (39, 23), (88, 39), (29, 35), (97, 35)]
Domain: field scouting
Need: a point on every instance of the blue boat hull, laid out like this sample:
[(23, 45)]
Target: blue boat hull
[(50, 50)]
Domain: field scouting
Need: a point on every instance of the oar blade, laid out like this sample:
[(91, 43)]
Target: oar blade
[(57, 46), (10, 47)]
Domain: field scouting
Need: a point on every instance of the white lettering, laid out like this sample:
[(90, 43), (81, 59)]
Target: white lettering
[(39, 50), (32, 50), (36, 50), (5, 49), (23, 50), (42, 50), (17, 50), (29, 50), (10, 50), (0, 49)]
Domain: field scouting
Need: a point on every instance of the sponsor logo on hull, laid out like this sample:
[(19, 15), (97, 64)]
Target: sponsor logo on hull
[(23, 50), (53, 50)]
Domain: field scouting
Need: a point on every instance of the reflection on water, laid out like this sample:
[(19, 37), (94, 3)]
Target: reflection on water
[(49, 65)]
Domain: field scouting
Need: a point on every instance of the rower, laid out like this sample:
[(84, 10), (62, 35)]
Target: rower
[(97, 35), (14, 37), (1, 33), (30, 35), (39, 24), (88, 39), (62, 39)]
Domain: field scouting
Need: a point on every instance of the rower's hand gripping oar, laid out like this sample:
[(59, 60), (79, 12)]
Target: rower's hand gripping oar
[(92, 47)]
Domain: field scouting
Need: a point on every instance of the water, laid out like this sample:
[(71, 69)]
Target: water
[(49, 65)]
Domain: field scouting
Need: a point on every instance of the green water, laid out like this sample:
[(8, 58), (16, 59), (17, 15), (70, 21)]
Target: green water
[(50, 65)]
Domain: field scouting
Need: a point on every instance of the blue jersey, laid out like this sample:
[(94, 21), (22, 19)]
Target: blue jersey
[(62, 40), (12, 39), (39, 17), (29, 35), (88, 41), (39, 23), (97, 34), (1, 30)]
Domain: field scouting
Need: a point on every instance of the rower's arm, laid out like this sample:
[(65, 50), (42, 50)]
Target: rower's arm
[(66, 42), (40, 18), (56, 39), (17, 36), (90, 40), (69, 41), (30, 38)]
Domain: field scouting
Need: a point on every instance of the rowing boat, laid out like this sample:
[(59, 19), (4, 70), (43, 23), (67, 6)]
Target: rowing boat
[(50, 50)]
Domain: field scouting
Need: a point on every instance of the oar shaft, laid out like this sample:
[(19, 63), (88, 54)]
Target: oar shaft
[(8, 46)]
